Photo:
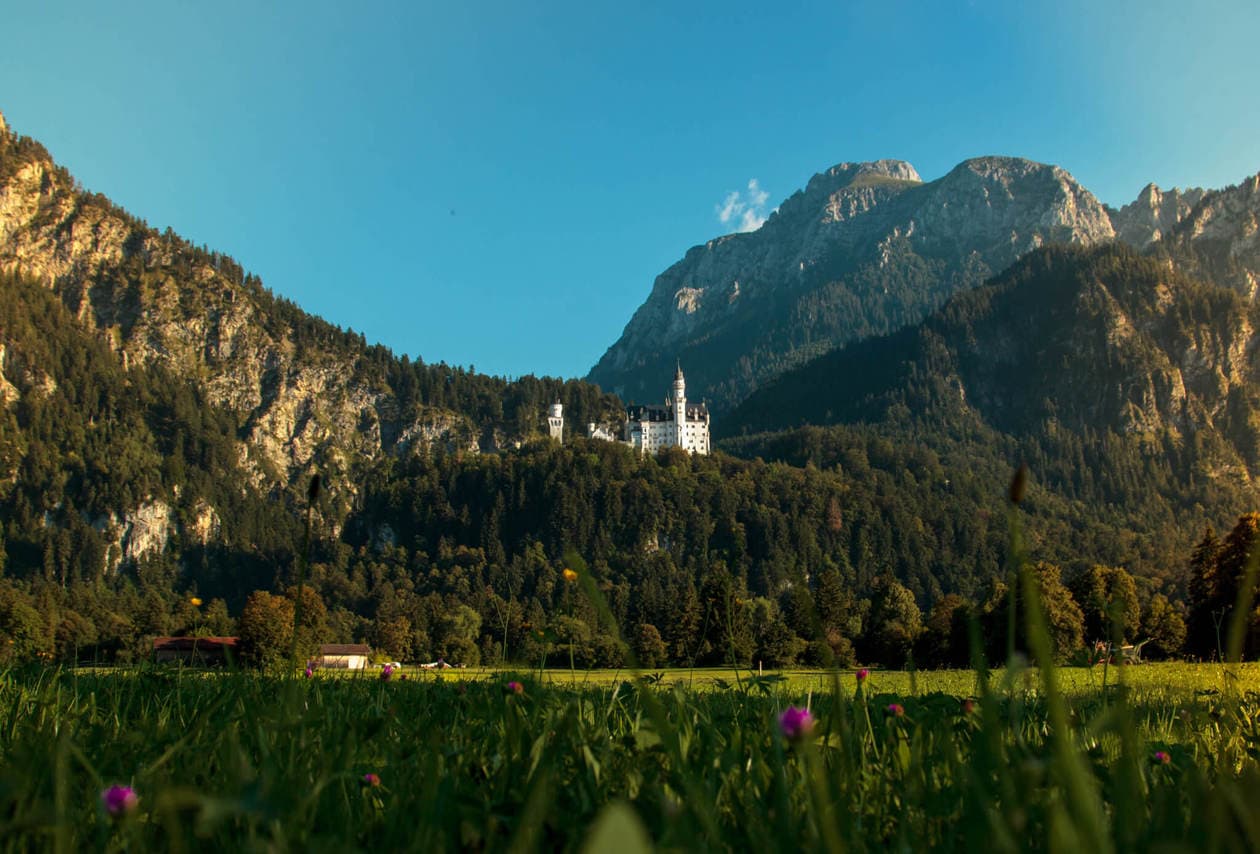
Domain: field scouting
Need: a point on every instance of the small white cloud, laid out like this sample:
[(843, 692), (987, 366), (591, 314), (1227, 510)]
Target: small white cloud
[(746, 210), (757, 197), (730, 208), (751, 221)]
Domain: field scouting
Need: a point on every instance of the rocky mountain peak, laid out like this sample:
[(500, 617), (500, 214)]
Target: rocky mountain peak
[(1013, 205), (1153, 214), (4, 127), (1219, 238), (848, 174)]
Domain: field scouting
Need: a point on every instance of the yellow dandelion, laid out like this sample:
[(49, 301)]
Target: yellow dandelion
[(196, 601), (569, 575)]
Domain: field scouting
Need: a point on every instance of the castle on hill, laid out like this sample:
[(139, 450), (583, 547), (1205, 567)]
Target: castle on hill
[(650, 428)]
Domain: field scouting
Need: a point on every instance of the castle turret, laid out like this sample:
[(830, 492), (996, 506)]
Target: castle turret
[(555, 422), (680, 408)]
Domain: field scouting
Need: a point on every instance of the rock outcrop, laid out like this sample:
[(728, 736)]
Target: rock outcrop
[(1219, 239), (1153, 214)]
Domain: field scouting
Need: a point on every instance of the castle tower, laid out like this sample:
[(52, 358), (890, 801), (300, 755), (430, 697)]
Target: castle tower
[(555, 422), (680, 408)]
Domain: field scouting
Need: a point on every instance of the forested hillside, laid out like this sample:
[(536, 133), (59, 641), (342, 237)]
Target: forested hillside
[(1128, 389)]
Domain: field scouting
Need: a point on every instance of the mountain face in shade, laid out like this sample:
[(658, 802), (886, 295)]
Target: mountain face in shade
[(1130, 389), (864, 249), (1089, 340)]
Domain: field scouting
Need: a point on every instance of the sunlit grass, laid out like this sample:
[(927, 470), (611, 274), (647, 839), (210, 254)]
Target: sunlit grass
[(227, 761)]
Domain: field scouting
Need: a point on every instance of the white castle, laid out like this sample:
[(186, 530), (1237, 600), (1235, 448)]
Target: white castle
[(555, 422), (648, 429)]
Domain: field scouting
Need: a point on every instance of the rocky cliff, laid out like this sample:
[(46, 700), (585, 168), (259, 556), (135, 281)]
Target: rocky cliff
[(1219, 238), (1153, 214), (864, 249)]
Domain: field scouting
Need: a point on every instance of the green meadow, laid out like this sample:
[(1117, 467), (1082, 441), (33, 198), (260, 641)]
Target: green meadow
[(1147, 757)]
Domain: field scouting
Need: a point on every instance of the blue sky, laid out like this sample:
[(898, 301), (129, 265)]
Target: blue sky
[(498, 184)]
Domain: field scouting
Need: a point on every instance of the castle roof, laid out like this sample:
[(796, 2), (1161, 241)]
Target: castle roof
[(657, 412)]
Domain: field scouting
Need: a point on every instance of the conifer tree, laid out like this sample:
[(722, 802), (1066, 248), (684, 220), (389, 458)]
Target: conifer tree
[(1202, 636)]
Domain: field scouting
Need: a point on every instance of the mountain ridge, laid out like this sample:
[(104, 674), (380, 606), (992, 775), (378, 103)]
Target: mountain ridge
[(845, 259)]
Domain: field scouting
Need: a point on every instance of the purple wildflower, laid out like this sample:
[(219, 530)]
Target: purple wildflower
[(896, 710), (371, 780), (795, 723), (514, 688), (386, 672), (861, 675), (119, 800), (1162, 757)]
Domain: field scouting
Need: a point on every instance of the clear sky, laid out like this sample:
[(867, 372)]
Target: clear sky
[(498, 184)]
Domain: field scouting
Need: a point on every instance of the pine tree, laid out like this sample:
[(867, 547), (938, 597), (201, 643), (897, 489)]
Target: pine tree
[(1202, 637)]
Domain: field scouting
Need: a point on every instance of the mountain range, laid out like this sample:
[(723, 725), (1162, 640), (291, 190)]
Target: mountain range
[(869, 248)]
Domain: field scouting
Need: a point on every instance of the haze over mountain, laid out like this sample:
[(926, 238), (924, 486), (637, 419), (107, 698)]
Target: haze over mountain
[(866, 249)]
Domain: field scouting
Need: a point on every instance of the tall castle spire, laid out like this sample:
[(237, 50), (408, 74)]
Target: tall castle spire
[(680, 407)]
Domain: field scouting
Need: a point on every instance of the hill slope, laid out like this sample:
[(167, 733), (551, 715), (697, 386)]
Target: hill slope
[(1131, 389)]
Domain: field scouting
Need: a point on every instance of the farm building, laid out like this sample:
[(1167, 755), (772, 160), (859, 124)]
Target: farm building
[(206, 652), (344, 656)]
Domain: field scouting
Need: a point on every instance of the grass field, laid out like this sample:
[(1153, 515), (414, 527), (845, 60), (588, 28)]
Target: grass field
[(237, 761), (1176, 677)]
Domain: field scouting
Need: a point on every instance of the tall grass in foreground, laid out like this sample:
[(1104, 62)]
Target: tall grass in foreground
[(222, 762)]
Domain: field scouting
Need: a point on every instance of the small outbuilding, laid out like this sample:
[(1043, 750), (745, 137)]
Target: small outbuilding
[(203, 652), (344, 656)]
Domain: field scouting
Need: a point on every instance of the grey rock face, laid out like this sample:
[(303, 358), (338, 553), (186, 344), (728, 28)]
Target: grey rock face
[(1219, 239), (1153, 214)]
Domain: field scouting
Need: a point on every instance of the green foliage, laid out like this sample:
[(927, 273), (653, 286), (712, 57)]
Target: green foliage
[(230, 761), (1064, 620), (1219, 585), (1107, 597), (893, 626), (1164, 629), (266, 629)]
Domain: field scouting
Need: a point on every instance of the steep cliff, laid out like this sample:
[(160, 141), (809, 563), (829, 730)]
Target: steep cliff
[(1219, 239), (1153, 214), (308, 397)]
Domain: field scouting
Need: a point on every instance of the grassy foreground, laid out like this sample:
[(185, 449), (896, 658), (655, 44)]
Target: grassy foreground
[(248, 762)]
